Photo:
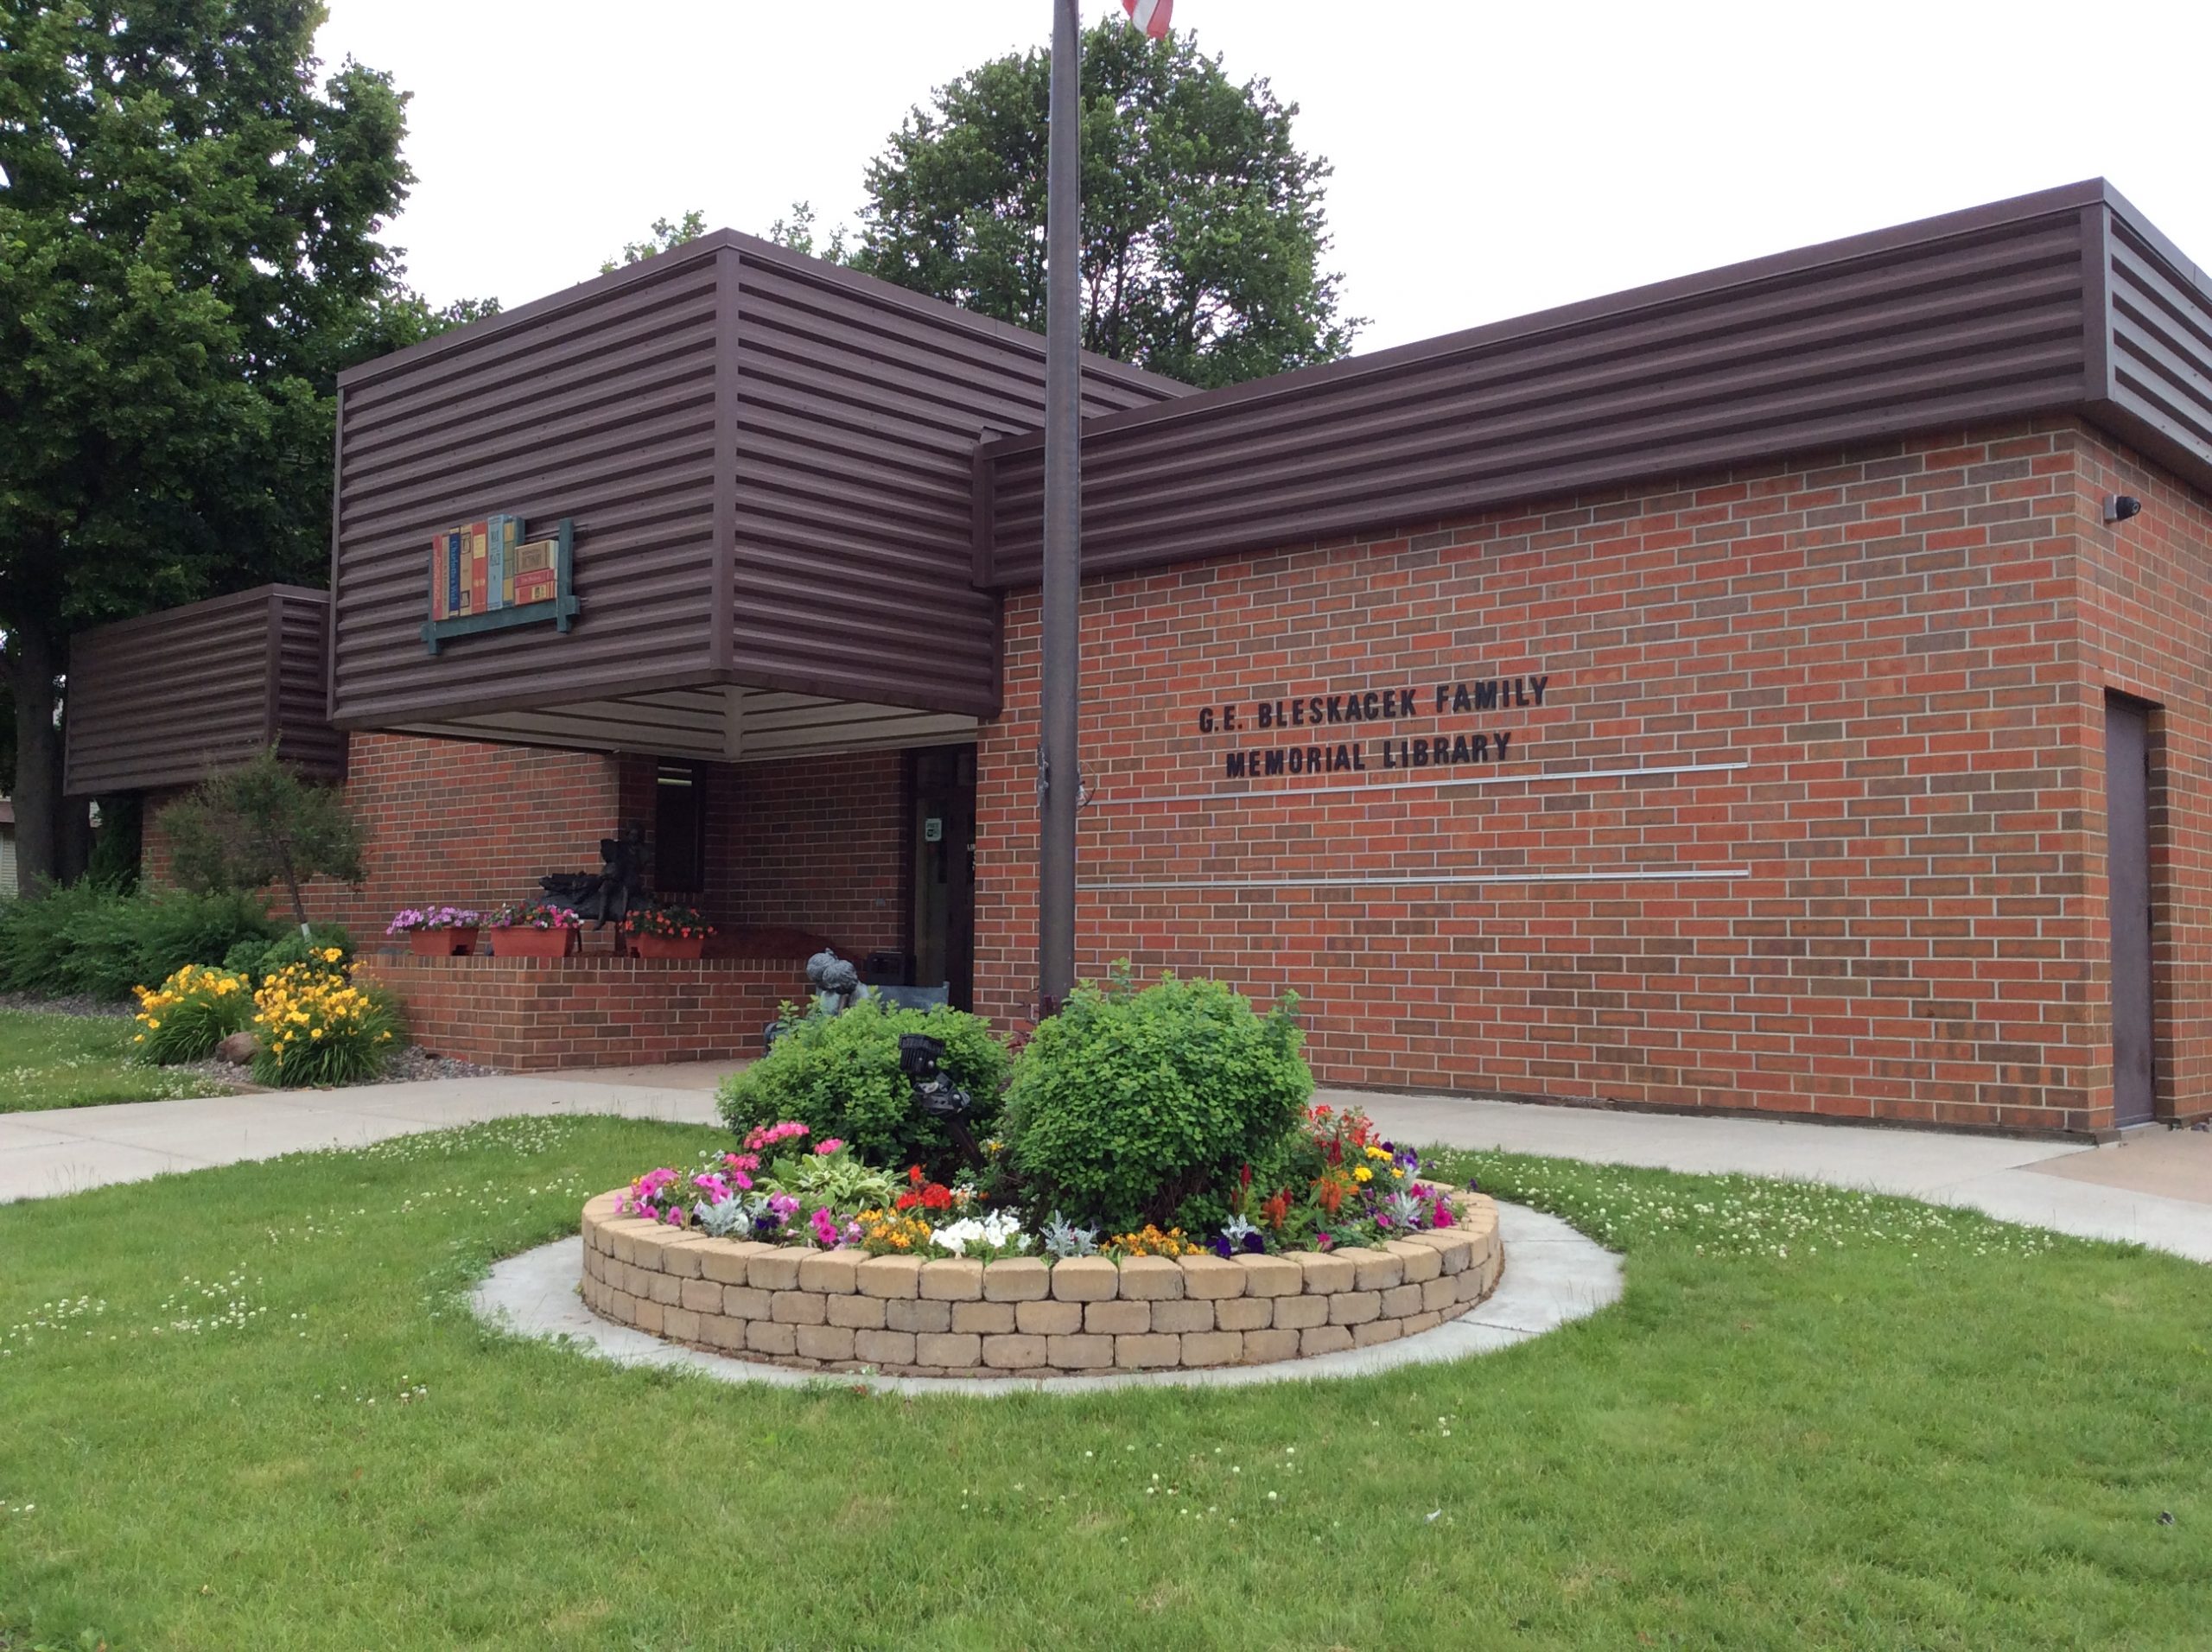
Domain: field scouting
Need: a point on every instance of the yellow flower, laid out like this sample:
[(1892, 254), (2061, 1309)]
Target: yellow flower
[(316, 1033), (1363, 1174)]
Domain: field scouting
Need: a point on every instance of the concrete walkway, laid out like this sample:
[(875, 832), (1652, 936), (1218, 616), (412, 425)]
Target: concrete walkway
[(2155, 1188), (63, 1151)]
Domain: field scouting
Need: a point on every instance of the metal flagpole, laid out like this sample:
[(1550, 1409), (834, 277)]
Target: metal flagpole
[(1059, 770)]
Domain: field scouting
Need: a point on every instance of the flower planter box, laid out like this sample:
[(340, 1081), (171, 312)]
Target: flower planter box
[(533, 942), (443, 943), (668, 946)]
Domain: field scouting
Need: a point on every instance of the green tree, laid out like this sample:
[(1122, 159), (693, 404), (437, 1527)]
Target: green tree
[(261, 824), (1203, 230), (665, 234), (188, 255)]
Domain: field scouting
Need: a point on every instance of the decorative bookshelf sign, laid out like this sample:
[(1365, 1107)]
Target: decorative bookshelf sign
[(485, 575)]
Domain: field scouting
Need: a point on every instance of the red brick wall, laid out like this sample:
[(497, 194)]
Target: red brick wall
[(474, 825), (2146, 602), (1866, 890), (531, 1015)]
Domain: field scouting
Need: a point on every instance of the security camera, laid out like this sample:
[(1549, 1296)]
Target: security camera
[(2120, 506)]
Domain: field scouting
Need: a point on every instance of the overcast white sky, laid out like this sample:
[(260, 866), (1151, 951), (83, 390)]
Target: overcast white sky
[(1491, 159)]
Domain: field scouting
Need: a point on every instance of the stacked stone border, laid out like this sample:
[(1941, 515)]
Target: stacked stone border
[(841, 1311)]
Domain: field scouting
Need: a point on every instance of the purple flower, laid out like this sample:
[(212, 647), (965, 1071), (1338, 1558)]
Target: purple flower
[(1255, 1243), (784, 1205), (1222, 1248)]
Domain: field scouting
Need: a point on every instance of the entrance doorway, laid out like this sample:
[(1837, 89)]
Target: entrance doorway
[(2127, 879), (941, 832)]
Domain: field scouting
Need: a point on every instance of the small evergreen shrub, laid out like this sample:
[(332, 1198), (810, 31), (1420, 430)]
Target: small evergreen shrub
[(839, 1075), (1128, 1105), (189, 1013)]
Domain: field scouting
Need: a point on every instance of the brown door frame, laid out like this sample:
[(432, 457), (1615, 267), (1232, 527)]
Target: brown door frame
[(2130, 897)]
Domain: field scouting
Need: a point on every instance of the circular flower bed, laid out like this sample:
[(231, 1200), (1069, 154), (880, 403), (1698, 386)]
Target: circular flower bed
[(844, 1309), (1200, 1211)]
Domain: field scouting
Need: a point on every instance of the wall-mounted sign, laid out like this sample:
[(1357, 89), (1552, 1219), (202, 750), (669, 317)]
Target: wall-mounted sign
[(1322, 728), (487, 576)]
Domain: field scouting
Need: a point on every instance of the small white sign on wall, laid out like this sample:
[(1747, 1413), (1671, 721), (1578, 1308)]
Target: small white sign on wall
[(933, 830)]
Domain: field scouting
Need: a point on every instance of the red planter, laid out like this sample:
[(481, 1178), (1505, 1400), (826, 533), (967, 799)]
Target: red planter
[(668, 946), (441, 943), (533, 942)]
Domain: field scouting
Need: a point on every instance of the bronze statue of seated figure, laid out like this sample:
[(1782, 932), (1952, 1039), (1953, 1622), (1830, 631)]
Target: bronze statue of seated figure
[(612, 893)]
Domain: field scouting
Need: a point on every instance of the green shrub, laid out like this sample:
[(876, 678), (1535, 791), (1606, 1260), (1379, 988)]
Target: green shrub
[(839, 1076), (94, 939), (1127, 1104), (260, 959), (189, 1013)]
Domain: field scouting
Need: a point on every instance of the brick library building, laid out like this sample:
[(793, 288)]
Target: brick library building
[(1785, 690)]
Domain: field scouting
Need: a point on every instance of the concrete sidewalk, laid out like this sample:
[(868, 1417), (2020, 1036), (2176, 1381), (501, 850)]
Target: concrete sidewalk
[(65, 1150), (2154, 1188)]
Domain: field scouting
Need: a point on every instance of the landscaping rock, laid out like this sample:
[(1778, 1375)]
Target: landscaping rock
[(237, 1049)]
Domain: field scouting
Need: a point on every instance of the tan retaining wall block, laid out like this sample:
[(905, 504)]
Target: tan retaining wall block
[(1085, 1279), (1151, 1278), (1017, 1279)]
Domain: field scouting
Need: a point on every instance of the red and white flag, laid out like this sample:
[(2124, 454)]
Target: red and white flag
[(1150, 16)]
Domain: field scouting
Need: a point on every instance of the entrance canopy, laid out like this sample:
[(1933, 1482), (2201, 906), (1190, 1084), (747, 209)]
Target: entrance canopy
[(721, 503)]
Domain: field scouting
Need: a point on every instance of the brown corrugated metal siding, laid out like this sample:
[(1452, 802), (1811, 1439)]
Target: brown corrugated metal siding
[(768, 463), (2159, 311), (167, 699), (1984, 315)]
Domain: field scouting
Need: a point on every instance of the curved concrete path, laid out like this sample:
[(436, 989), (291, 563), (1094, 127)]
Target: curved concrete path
[(1552, 1276), (2153, 1188)]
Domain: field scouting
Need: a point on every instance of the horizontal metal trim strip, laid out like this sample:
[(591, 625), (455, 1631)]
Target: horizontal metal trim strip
[(1503, 777), (1411, 881)]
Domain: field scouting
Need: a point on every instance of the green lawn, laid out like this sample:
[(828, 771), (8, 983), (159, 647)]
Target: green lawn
[(48, 1060), (245, 1408)]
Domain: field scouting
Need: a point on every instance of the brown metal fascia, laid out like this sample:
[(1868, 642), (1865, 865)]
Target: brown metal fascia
[(476, 334), (2097, 303), (729, 298), (272, 702), (1904, 238), (245, 598), (337, 538), (879, 294), (982, 518)]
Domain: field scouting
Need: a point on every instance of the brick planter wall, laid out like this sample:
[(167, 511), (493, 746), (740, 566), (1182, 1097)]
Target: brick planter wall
[(844, 1311), (597, 1010)]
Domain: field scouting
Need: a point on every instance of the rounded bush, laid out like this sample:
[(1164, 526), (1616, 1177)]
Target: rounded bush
[(839, 1076), (1127, 1103), (316, 1026)]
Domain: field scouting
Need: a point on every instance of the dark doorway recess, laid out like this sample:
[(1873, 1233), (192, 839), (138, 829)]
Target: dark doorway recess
[(941, 829), (2127, 875), (680, 828)]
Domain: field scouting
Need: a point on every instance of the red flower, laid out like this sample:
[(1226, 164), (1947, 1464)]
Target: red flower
[(907, 1201), (937, 1197), (914, 1176)]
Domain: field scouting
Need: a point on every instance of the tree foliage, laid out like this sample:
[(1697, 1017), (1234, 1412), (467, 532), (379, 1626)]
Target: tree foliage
[(261, 824), (665, 233), (189, 215), (1204, 232)]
